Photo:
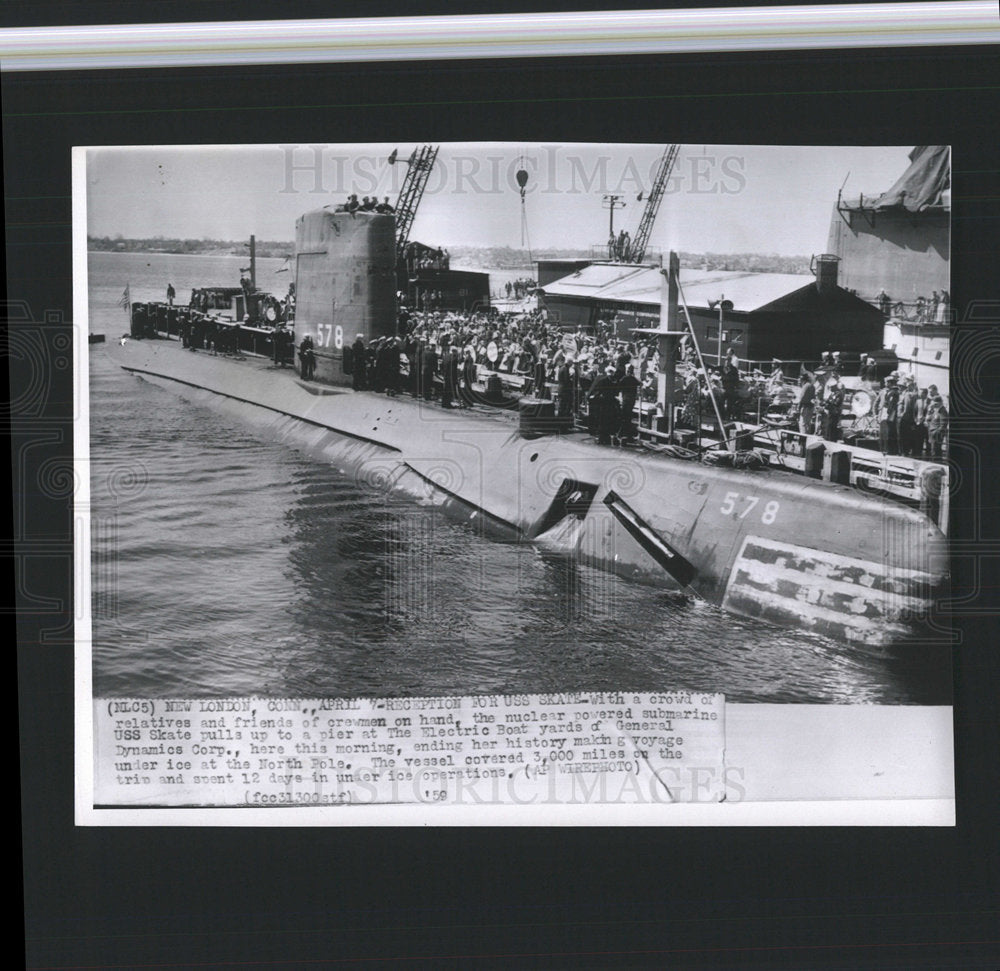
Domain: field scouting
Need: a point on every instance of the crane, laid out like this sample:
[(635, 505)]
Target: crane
[(418, 171), (637, 250)]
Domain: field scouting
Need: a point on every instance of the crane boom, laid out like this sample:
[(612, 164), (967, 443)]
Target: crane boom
[(418, 171), (666, 166)]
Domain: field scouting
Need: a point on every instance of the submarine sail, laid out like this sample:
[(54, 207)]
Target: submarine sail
[(345, 284)]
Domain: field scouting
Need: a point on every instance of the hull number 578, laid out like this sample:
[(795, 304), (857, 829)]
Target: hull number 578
[(744, 505)]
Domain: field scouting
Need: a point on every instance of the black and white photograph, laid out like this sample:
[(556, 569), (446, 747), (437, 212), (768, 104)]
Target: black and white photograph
[(609, 423), (696, 670)]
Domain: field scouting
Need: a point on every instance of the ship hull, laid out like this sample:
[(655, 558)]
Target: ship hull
[(780, 548)]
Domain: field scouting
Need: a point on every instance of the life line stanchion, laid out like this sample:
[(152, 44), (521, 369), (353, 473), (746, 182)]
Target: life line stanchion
[(704, 370)]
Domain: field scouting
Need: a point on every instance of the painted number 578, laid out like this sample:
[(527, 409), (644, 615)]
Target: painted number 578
[(746, 505), (326, 331)]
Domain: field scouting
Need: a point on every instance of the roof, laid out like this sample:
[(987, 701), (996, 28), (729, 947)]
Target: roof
[(625, 283)]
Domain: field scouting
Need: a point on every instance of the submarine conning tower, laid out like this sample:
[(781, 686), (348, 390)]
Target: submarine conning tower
[(345, 283)]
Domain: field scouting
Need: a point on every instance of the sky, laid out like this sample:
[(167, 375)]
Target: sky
[(720, 198)]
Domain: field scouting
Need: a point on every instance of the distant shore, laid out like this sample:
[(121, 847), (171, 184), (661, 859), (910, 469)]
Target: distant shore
[(498, 257)]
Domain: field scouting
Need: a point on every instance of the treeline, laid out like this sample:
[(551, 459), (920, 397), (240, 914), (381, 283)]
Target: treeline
[(486, 256), (748, 262), (509, 256), (215, 247), (490, 256)]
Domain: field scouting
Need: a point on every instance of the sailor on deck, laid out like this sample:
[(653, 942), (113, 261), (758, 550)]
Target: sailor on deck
[(806, 405), (358, 364), (307, 358), (629, 385), (886, 412), (603, 407)]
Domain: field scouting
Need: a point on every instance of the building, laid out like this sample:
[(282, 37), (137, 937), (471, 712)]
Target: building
[(792, 317), (899, 241), (425, 277), (895, 250), (550, 270)]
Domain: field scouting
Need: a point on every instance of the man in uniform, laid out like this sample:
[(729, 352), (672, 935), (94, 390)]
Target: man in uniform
[(730, 386), (833, 403), (449, 375), (603, 407), (806, 405), (886, 412), (906, 418), (359, 364), (920, 409), (469, 375), (629, 386), (937, 427), (869, 372), (564, 388), (428, 368), (307, 358), (540, 377), (278, 345), (390, 366)]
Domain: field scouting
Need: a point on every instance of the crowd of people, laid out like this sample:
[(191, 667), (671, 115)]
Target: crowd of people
[(620, 247), (444, 356), (424, 258), (429, 299), (910, 421), (518, 289), (922, 310), (600, 378), (367, 204)]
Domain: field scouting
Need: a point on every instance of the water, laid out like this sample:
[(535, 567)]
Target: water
[(233, 557)]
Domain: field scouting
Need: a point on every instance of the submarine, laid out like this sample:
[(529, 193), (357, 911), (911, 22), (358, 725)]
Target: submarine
[(786, 549)]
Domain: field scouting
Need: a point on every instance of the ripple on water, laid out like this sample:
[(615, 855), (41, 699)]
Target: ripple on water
[(235, 563)]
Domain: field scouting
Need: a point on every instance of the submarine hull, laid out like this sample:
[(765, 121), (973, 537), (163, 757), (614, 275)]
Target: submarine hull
[(781, 548)]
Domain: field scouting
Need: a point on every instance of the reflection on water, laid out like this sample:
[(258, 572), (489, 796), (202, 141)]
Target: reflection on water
[(233, 557)]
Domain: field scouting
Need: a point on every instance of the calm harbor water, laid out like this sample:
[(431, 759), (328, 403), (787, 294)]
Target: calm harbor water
[(231, 558)]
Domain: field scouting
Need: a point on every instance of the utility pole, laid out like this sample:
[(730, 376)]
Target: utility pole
[(668, 341), (612, 203), (722, 306)]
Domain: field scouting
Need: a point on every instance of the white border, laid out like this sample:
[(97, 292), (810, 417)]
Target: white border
[(786, 810), (83, 623), (903, 812)]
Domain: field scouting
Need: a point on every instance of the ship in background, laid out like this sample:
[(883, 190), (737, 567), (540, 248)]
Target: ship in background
[(804, 551), (895, 253)]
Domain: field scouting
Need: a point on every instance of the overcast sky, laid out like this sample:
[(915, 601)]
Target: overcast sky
[(721, 198)]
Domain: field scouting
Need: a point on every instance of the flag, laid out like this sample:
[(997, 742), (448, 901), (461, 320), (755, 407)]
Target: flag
[(125, 300)]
